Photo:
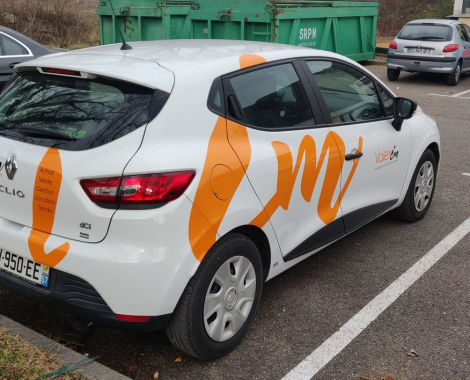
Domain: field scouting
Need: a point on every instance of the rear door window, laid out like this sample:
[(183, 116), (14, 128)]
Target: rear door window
[(273, 98), (12, 47), (72, 113), (462, 33)]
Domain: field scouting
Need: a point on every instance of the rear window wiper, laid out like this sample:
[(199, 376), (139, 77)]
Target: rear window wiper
[(44, 133), (430, 38)]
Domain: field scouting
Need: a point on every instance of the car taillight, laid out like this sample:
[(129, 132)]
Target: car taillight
[(138, 189), (102, 190), (51, 70), (451, 48), (393, 45)]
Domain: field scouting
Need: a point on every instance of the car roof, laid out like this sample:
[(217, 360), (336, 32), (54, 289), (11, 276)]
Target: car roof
[(434, 21), (147, 59)]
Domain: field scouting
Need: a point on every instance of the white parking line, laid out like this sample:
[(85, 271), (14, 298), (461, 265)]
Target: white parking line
[(349, 331), (450, 96), (460, 93), (467, 174)]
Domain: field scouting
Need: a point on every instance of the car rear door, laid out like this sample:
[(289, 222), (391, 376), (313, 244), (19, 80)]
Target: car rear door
[(295, 164), (464, 33), (360, 113)]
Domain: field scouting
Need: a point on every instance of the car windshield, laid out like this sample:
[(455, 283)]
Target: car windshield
[(426, 32), (73, 113)]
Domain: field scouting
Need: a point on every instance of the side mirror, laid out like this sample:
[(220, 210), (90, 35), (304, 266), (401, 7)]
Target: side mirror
[(402, 109)]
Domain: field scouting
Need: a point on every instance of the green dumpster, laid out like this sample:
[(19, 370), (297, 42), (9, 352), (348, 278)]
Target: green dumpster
[(345, 27)]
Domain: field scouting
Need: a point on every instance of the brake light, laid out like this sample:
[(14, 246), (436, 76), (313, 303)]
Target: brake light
[(139, 189), (51, 70), (393, 45), (451, 48)]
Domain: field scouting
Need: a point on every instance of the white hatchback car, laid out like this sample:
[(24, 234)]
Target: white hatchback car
[(163, 185)]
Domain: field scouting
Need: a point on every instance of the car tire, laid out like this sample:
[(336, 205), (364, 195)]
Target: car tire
[(453, 78), (420, 191), (393, 74), (228, 283)]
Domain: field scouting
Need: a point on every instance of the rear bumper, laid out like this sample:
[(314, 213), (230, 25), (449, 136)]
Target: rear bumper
[(445, 65), (74, 295), (141, 268)]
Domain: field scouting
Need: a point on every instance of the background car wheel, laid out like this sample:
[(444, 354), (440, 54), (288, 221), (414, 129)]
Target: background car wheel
[(220, 301), (421, 190), (393, 74), (453, 79)]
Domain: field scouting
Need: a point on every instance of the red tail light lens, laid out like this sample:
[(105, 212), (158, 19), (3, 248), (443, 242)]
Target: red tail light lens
[(101, 190), (132, 318), (142, 189), (393, 45), (451, 48)]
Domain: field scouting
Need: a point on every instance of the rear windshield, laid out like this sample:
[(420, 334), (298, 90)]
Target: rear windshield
[(426, 32), (72, 113)]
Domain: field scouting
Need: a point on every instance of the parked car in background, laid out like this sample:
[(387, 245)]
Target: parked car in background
[(432, 46), (139, 195), (16, 48)]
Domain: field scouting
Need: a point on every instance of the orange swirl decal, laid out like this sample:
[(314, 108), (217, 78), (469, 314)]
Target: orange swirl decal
[(208, 210), (45, 196), (287, 175), (206, 203), (248, 60)]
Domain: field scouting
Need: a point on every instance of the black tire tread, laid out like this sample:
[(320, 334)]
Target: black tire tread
[(451, 77), (393, 74), (177, 327)]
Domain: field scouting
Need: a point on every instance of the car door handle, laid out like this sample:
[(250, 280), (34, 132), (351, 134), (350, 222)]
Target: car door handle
[(353, 156), (11, 65)]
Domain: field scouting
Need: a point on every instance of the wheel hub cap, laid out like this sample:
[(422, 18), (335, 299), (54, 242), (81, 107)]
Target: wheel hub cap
[(231, 298), (424, 186)]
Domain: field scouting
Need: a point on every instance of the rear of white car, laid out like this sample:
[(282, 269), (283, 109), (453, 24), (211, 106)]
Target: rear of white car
[(66, 137)]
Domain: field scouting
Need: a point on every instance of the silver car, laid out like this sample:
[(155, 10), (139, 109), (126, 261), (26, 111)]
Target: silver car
[(432, 46)]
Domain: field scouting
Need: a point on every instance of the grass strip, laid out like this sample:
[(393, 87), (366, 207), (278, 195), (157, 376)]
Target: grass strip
[(20, 361)]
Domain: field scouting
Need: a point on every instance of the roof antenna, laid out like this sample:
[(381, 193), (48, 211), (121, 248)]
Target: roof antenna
[(124, 45)]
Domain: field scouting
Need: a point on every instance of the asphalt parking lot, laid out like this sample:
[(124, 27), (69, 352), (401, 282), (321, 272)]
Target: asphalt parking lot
[(303, 307)]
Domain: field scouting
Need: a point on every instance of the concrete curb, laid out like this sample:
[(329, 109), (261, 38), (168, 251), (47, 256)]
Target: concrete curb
[(64, 355), (375, 62)]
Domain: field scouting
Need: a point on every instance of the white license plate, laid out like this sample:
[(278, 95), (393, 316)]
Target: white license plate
[(24, 268), (420, 50)]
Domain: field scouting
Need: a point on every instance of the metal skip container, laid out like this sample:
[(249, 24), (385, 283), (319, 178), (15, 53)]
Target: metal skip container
[(344, 27)]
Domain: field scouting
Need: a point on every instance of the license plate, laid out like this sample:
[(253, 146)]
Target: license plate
[(24, 268), (420, 50)]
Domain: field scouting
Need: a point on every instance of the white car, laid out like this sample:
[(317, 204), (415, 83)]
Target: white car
[(162, 186)]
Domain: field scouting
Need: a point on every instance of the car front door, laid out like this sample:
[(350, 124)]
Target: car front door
[(12, 52), (360, 113), (294, 163)]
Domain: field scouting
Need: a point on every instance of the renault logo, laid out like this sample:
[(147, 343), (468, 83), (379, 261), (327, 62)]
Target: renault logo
[(10, 166)]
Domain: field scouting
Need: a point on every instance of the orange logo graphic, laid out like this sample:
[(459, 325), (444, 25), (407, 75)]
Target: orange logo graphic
[(45, 196), (229, 138), (386, 155), (207, 204), (287, 175)]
